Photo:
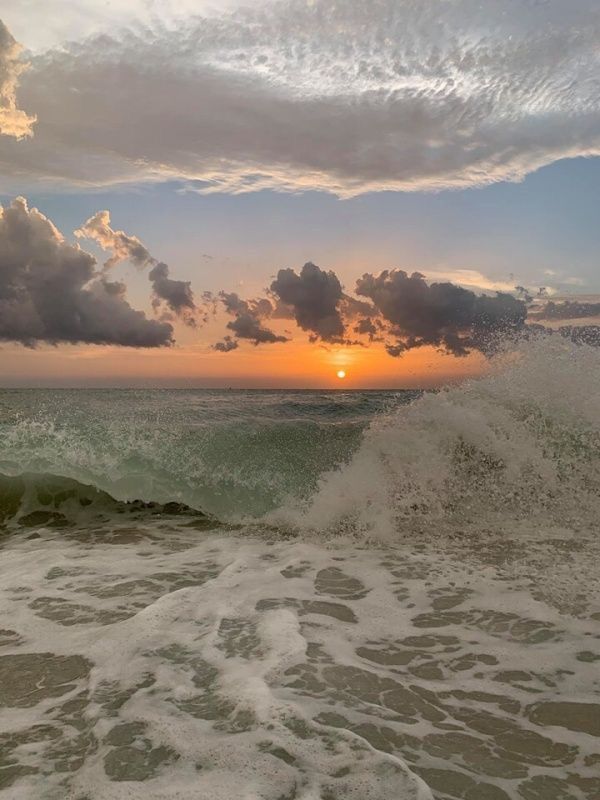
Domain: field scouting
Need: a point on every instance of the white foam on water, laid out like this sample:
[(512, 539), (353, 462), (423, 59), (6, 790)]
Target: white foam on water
[(233, 667), (518, 446)]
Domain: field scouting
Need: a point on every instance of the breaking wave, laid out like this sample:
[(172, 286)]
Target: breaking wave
[(519, 446), (233, 454), (54, 501)]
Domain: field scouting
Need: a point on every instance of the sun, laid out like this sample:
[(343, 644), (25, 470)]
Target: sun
[(341, 374)]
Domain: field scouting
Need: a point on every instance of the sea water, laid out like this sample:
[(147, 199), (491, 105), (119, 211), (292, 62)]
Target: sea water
[(313, 595)]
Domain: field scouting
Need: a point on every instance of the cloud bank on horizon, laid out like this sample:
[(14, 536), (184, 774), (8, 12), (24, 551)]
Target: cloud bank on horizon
[(402, 312), (299, 95), (55, 292)]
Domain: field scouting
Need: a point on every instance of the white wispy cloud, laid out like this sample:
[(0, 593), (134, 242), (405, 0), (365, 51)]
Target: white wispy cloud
[(471, 278), (345, 97), (53, 23)]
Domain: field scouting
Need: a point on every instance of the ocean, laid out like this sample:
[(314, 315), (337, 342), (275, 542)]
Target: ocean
[(302, 595)]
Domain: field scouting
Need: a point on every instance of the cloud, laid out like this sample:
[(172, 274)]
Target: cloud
[(401, 311), (366, 327), (61, 21), (13, 122), (470, 279), (123, 246), (226, 346), (50, 290), (247, 322), (439, 314), (569, 309), (313, 296), (176, 295), (344, 97)]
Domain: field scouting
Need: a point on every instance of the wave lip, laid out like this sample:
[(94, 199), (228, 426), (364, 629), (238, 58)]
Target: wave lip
[(41, 499)]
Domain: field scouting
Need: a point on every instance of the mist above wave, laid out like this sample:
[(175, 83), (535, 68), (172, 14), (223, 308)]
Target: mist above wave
[(518, 446)]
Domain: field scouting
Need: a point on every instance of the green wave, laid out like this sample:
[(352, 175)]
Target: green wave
[(54, 501)]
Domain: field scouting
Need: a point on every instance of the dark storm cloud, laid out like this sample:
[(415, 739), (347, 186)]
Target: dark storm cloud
[(364, 318), (438, 314), (50, 290), (351, 308), (176, 295), (226, 346), (314, 296), (13, 121), (569, 309), (402, 311), (366, 327), (247, 322)]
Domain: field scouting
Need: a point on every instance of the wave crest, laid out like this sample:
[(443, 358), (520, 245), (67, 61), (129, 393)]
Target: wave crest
[(520, 446), (31, 500)]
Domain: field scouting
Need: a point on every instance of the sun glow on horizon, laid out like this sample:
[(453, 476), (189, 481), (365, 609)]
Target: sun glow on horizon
[(341, 374)]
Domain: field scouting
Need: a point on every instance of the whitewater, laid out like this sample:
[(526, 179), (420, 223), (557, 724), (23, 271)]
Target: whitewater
[(264, 595)]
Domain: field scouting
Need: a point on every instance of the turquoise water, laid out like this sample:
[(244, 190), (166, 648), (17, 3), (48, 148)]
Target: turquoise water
[(228, 452)]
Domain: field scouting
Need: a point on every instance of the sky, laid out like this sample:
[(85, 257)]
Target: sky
[(268, 193)]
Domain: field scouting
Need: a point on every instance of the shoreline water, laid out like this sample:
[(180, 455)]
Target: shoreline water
[(154, 660)]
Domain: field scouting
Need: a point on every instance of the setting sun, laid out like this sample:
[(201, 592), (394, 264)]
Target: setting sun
[(341, 374)]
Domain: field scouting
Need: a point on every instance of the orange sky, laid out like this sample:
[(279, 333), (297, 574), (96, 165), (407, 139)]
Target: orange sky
[(192, 362), (295, 364)]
